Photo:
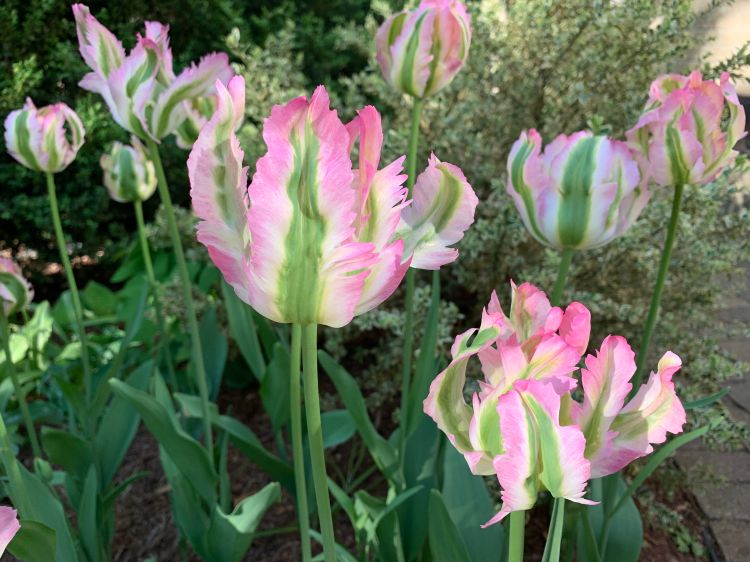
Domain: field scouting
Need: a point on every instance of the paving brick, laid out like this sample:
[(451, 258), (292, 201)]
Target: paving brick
[(728, 501), (740, 392), (734, 538), (739, 348), (734, 466)]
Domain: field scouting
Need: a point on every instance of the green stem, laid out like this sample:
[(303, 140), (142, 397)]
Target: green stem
[(187, 294), (149, 265), (589, 530), (562, 276), (554, 537), (408, 342), (661, 277), (515, 544), (20, 394), (77, 309), (315, 439), (295, 402)]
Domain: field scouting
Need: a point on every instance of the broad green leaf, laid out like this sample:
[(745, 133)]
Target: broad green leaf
[(243, 332), (459, 483), (88, 516), (341, 553), (215, 349), (67, 450), (383, 453), (188, 455), (425, 370), (39, 327), (338, 427), (118, 427), (274, 388), (230, 535), (99, 299), (34, 542), (446, 543)]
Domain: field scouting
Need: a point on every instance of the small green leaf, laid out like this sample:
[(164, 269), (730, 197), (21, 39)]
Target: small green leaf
[(34, 542), (338, 427), (706, 401), (99, 299)]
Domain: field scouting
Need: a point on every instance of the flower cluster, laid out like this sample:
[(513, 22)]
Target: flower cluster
[(524, 425), (318, 237)]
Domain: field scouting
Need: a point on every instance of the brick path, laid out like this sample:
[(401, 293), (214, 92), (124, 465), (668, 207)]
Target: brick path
[(727, 504)]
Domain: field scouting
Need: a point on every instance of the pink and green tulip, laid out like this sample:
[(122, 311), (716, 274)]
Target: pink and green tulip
[(580, 192), (15, 291), (420, 51), (129, 175), (45, 139), (315, 238), (9, 526), (524, 425), (140, 88), (688, 129)]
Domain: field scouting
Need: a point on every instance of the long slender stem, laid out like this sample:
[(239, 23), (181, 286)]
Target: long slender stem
[(562, 276), (149, 265), (187, 294), (554, 537), (315, 439), (295, 402), (653, 311), (20, 394), (408, 341), (515, 540), (77, 309)]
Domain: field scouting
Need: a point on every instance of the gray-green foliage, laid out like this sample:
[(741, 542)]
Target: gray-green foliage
[(555, 66)]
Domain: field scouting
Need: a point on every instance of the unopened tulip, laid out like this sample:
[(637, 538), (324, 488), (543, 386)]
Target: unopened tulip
[(45, 139), (688, 129), (141, 89), (313, 239), (9, 526), (581, 192), (421, 51), (525, 426), (15, 291), (129, 175)]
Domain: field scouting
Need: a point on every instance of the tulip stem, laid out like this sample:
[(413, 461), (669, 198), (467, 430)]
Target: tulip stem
[(315, 439), (407, 349), (562, 276), (661, 277), (187, 295), (20, 394), (554, 536), (295, 403), (149, 265), (77, 309), (515, 544)]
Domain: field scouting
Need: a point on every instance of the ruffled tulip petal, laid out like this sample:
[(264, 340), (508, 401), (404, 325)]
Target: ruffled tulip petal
[(653, 412), (219, 187), (99, 47), (304, 266), (9, 526), (195, 81), (442, 210)]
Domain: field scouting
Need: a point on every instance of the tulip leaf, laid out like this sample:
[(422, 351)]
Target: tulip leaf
[(34, 542), (215, 349), (706, 401), (99, 299), (274, 389), (189, 456), (67, 450), (446, 544), (243, 331), (338, 427), (459, 483), (88, 517), (383, 453)]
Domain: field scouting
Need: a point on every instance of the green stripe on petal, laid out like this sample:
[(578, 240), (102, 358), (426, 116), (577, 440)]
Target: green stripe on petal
[(524, 191), (575, 187), (23, 140)]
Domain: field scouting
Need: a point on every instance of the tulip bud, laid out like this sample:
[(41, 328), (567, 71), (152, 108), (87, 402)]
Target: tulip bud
[(128, 175), (45, 139), (581, 192), (15, 291), (688, 129), (421, 51)]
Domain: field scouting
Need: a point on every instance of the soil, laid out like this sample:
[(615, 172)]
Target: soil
[(145, 528)]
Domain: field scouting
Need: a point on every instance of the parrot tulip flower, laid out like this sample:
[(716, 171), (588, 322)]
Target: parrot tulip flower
[(313, 239), (15, 291), (524, 425), (9, 526), (129, 175), (141, 89), (45, 139), (421, 51), (688, 129), (581, 192)]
